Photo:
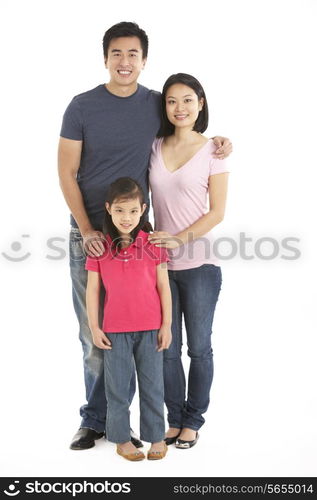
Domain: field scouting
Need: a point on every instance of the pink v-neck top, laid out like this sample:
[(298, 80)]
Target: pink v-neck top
[(180, 198)]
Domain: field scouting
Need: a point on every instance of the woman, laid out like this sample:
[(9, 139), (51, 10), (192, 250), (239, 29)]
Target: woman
[(183, 175)]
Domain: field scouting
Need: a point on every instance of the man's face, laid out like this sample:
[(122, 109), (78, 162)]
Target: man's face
[(124, 60)]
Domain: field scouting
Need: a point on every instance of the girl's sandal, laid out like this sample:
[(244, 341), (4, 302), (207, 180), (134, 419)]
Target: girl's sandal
[(157, 455), (133, 457)]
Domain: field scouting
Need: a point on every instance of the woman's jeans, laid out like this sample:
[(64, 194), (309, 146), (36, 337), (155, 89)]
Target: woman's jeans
[(194, 293), (94, 412), (137, 349)]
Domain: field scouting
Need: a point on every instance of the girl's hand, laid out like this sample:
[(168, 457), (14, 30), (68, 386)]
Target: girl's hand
[(164, 239), (164, 338), (100, 339)]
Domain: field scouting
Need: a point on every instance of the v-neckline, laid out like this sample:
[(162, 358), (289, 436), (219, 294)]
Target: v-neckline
[(184, 164)]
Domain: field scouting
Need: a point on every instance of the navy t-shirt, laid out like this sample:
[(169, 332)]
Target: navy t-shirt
[(117, 134)]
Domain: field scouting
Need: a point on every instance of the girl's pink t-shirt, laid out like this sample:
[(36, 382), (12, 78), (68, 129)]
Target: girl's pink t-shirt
[(180, 198)]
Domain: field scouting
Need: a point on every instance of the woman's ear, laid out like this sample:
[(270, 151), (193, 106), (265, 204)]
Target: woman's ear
[(201, 104)]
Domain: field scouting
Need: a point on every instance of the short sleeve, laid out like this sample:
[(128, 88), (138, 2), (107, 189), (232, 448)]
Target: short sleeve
[(72, 125), (161, 255), (92, 264), (217, 166)]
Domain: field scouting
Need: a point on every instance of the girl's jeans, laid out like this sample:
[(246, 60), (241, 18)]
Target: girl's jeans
[(195, 293), (139, 348)]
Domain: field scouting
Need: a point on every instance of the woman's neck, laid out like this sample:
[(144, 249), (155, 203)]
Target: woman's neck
[(183, 135)]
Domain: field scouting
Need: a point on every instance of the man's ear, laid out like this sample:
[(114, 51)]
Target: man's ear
[(106, 59), (143, 63)]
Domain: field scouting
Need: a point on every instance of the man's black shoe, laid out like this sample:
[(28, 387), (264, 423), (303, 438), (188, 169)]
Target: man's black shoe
[(85, 438), (135, 440)]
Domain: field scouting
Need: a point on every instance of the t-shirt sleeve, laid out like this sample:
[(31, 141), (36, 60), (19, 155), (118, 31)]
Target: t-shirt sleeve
[(92, 264), (217, 166), (161, 255), (72, 125)]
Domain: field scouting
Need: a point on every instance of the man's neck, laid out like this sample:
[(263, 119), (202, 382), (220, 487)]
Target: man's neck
[(121, 91)]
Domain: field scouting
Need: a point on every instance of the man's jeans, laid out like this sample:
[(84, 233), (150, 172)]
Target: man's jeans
[(94, 412), (139, 348), (195, 293)]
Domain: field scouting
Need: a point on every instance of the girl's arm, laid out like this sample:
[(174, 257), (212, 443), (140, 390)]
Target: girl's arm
[(92, 304), (163, 287), (218, 185)]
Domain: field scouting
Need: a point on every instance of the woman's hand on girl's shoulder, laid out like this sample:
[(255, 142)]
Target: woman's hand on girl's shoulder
[(100, 339), (164, 239), (164, 338)]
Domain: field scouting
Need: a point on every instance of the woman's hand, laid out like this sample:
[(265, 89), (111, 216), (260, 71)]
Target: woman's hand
[(224, 147), (100, 339), (164, 239), (164, 338)]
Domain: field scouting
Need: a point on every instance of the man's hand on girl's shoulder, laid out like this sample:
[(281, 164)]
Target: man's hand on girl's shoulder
[(93, 243)]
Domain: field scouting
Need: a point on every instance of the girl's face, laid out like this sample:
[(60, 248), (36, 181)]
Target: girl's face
[(126, 214), (182, 105)]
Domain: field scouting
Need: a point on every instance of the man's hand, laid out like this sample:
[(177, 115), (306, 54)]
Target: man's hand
[(224, 147), (164, 338), (100, 339), (92, 242), (164, 239)]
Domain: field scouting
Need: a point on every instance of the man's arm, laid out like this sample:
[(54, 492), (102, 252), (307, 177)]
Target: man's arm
[(69, 153)]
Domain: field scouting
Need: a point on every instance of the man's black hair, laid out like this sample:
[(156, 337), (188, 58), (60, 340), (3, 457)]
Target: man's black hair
[(125, 29)]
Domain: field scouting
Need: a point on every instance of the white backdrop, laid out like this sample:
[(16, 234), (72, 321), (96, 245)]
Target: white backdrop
[(256, 61)]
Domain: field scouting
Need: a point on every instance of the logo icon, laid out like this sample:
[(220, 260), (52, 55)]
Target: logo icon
[(13, 492), (16, 247)]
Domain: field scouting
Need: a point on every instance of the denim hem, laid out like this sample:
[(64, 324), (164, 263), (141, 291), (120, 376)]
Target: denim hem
[(177, 426), (119, 441), (152, 439), (85, 424)]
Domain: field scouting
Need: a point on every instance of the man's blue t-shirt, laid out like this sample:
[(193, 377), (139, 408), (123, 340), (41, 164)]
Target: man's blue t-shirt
[(117, 134)]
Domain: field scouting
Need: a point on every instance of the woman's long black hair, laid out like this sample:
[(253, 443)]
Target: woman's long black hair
[(121, 189), (201, 124)]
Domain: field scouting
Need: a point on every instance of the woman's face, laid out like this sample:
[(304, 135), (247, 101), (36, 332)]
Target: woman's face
[(182, 105)]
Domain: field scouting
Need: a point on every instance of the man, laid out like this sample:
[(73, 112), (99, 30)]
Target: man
[(106, 133)]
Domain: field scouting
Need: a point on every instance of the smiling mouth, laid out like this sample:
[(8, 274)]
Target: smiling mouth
[(126, 226), (180, 117), (123, 72)]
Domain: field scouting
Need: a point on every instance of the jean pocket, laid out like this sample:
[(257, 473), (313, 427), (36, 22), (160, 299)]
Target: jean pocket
[(76, 249)]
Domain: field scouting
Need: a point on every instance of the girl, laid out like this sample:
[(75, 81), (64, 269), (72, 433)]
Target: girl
[(183, 174), (137, 319)]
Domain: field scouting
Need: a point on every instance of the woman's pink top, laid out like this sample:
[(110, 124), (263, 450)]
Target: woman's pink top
[(180, 198)]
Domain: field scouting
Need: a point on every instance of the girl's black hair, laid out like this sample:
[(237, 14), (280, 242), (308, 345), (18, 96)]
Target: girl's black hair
[(121, 189), (201, 123)]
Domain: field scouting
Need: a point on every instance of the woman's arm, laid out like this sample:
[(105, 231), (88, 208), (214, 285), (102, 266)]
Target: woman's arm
[(92, 304), (163, 287), (218, 185)]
